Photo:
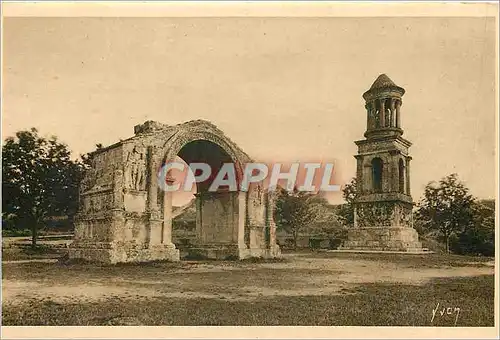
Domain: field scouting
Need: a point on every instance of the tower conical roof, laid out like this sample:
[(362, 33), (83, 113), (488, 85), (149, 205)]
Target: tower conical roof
[(381, 85), (382, 81)]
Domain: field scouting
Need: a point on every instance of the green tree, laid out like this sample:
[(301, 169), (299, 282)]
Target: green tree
[(39, 180), (447, 206), (346, 211), (478, 238), (300, 212)]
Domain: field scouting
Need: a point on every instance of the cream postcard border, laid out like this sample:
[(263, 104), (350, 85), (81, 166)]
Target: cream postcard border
[(261, 9)]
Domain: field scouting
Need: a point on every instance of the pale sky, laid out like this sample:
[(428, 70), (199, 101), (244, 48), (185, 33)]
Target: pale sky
[(282, 88)]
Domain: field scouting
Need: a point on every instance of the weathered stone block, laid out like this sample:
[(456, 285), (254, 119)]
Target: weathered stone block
[(381, 238)]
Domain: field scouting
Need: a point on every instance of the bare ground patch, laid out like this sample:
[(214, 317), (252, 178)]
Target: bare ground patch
[(299, 275)]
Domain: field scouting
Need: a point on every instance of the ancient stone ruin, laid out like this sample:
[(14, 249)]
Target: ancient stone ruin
[(383, 217), (125, 217)]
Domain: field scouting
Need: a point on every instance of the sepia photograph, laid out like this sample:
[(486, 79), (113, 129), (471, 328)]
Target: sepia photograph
[(225, 164)]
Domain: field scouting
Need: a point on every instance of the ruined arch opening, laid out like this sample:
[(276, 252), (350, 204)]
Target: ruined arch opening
[(203, 216), (377, 171), (204, 151)]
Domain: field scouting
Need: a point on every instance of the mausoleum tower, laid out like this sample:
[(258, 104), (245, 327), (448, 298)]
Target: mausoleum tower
[(383, 209)]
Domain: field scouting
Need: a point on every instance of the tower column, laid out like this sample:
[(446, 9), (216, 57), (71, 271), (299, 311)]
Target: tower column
[(393, 112), (372, 111), (368, 114), (395, 178), (373, 114), (398, 113), (359, 172), (394, 170), (407, 177), (382, 113)]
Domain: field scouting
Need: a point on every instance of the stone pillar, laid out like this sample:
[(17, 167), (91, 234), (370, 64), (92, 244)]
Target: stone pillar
[(373, 113), (382, 113), (199, 214), (368, 114), (117, 225), (386, 174), (152, 205), (256, 216), (359, 172), (367, 185), (393, 112), (246, 231), (398, 113), (395, 172), (270, 218), (242, 210), (167, 216), (154, 222), (407, 177), (355, 217), (118, 199)]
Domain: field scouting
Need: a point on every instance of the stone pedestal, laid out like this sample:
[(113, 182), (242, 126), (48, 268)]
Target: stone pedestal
[(119, 236), (268, 253), (232, 252), (383, 225), (383, 239), (114, 252)]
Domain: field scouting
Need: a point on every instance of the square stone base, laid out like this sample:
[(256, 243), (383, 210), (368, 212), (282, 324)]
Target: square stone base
[(383, 239), (269, 253), (109, 253), (231, 252)]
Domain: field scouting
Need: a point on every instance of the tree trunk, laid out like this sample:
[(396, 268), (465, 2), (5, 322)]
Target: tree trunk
[(447, 241), (34, 234), (295, 236)]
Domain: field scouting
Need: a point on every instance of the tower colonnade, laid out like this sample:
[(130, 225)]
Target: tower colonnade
[(384, 113)]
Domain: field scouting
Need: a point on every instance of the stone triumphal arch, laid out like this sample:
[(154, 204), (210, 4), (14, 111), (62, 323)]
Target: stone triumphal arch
[(124, 216)]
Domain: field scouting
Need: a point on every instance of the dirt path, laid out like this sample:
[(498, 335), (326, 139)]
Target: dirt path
[(298, 275)]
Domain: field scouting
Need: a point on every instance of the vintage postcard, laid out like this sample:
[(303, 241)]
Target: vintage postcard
[(281, 169)]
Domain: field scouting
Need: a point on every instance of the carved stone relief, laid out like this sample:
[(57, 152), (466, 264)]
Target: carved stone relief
[(135, 171)]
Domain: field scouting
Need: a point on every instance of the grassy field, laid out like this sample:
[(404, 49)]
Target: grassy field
[(335, 289)]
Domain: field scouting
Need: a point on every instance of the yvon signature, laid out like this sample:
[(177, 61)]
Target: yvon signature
[(445, 311)]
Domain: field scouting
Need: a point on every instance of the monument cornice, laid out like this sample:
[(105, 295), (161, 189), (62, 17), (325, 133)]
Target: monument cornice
[(374, 140)]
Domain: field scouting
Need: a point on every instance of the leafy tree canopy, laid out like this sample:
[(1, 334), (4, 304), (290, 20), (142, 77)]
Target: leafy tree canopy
[(300, 212), (447, 206), (39, 180)]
